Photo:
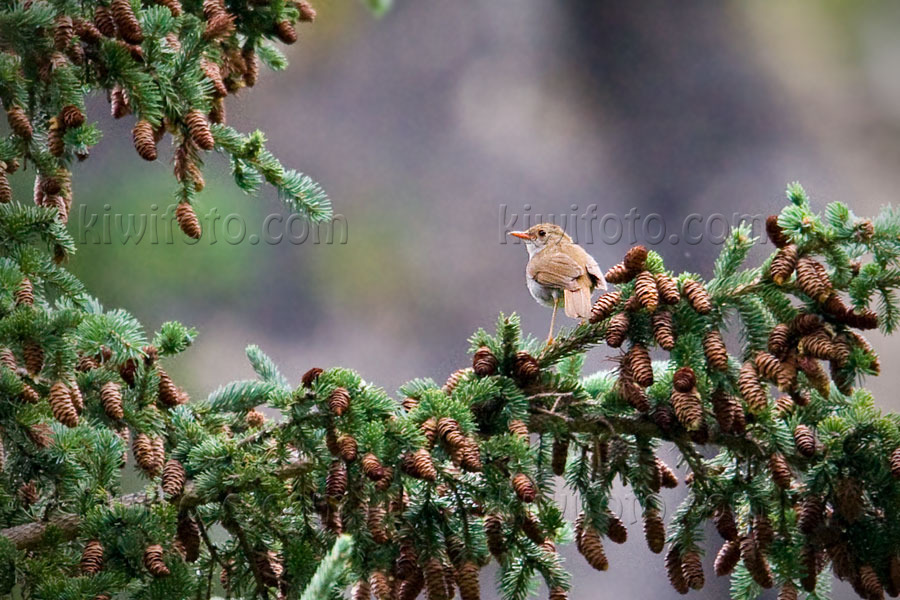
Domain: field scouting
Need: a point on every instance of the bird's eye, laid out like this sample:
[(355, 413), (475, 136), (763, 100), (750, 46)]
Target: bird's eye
[(542, 233)]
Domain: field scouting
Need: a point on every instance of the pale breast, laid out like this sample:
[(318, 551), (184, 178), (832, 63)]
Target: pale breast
[(544, 295)]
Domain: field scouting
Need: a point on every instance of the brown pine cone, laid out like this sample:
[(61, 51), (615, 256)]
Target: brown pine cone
[(219, 24), (604, 306), (632, 392), (668, 289), (558, 593), (812, 562), (361, 590), (467, 581), (484, 363), (591, 547), (646, 292), (893, 581), (667, 477), (848, 499), (493, 531), (615, 529), (269, 568), (559, 456), (780, 470), (19, 122), (692, 569), (815, 374), (697, 296), (214, 73), (684, 379), (756, 563), (865, 319), (429, 430), (5, 189), (146, 454), (309, 378), (654, 530), (663, 331), (29, 394), (784, 406), (167, 390), (28, 494), (188, 533), (787, 592), (869, 582), (173, 476), (347, 447), (454, 379), (71, 116), (336, 481), (769, 367), (524, 487), (674, 570), (519, 428), (640, 365), (307, 12), (372, 467), (126, 22), (783, 264), (635, 258), (619, 274), (25, 293), (61, 405), (143, 138), (251, 74), (41, 435), (339, 401), (727, 558), (813, 279), (153, 561), (380, 586), (895, 463), (751, 389), (174, 7), (375, 523), (809, 513), (285, 32), (805, 440), (715, 351), (187, 220), (92, 558), (778, 340), (254, 419), (526, 367), (420, 465), (775, 232), (617, 329), (763, 533), (725, 523), (688, 409), (34, 357), (198, 127), (111, 399)]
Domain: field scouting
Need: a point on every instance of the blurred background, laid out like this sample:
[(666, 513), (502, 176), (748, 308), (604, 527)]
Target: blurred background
[(422, 125)]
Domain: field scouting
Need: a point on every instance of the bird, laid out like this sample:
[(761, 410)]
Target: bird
[(559, 269)]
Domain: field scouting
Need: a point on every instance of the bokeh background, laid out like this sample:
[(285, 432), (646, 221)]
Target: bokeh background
[(422, 124)]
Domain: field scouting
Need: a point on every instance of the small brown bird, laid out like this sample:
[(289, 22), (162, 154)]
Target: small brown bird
[(559, 269)]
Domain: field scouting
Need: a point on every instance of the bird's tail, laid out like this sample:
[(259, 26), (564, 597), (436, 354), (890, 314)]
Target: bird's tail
[(578, 302)]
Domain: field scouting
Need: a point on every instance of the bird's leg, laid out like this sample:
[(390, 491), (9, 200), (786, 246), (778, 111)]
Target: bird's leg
[(553, 321)]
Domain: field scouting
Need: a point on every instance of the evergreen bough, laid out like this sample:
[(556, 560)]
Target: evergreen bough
[(351, 488)]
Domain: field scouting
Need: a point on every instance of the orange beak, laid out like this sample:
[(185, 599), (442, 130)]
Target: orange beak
[(520, 234)]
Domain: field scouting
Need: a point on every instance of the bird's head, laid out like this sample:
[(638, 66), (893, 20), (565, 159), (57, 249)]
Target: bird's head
[(542, 235)]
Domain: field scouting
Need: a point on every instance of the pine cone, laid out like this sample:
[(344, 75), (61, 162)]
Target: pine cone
[(19, 122), (375, 523), (336, 481), (781, 472), (783, 264), (869, 582), (667, 477), (591, 547), (174, 7), (715, 351), (751, 389), (173, 476), (848, 499), (646, 292), (34, 357), (775, 232), (727, 558), (71, 116), (187, 220), (92, 557), (111, 399), (615, 529), (347, 448), (371, 467), (619, 274), (361, 590), (697, 296), (604, 306), (668, 289), (692, 569), (41, 435), (654, 530), (519, 428), (269, 567), (484, 363), (420, 465), (25, 293), (772, 369), (640, 365), (29, 394), (674, 570), (188, 533), (198, 127), (467, 581), (805, 440), (167, 390), (811, 560), (778, 340), (144, 141), (632, 392), (61, 405), (815, 374), (5, 189), (558, 593), (893, 582), (688, 409), (809, 513), (813, 279), (146, 454), (526, 367), (126, 22), (255, 419), (895, 463), (617, 329), (339, 401), (429, 430), (153, 561), (251, 74), (725, 523), (380, 586), (663, 331), (493, 531), (214, 74), (684, 379), (28, 494), (763, 533), (560, 456), (756, 563), (309, 378), (285, 32), (524, 487)]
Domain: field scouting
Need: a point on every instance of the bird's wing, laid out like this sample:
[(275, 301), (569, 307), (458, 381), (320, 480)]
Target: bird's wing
[(558, 271), (593, 269)]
